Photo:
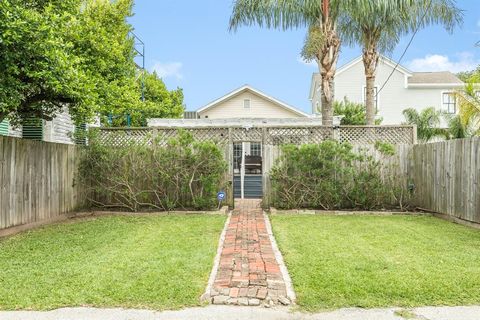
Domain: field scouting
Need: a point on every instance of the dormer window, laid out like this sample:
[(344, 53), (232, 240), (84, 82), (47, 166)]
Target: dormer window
[(246, 104)]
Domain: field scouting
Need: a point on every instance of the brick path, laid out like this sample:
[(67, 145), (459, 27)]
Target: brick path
[(248, 273)]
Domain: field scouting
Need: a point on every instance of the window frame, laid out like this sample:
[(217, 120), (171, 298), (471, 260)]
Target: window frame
[(446, 105), (245, 104)]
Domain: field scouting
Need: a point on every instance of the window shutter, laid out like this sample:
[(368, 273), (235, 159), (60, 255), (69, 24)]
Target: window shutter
[(32, 128), (4, 127), (81, 134)]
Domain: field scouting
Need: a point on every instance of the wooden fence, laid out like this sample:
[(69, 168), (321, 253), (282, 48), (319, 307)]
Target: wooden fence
[(37, 178), (446, 176), (36, 181)]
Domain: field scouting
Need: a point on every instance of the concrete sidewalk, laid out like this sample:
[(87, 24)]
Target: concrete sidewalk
[(214, 312)]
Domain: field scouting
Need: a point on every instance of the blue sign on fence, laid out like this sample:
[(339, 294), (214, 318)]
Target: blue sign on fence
[(221, 196)]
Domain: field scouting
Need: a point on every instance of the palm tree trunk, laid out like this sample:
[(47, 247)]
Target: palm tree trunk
[(327, 63), (370, 62)]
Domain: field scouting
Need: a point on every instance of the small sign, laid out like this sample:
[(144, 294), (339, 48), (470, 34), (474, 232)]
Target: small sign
[(221, 196)]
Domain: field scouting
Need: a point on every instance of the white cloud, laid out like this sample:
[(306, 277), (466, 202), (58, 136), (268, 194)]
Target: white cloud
[(435, 62), (168, 69)]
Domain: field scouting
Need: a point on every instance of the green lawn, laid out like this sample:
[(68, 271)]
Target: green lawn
[(375, 261), (157, 262)]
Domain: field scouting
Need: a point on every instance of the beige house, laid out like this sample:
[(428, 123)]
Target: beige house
[(404, 89), (248, 102)]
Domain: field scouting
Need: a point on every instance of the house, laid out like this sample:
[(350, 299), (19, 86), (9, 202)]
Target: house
[(404, 89), (248, 102), (59, 130)]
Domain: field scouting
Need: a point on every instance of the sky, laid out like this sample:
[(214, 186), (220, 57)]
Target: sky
[(187, 42)]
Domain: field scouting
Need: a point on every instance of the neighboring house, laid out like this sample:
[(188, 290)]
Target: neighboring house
[(248, 102), (404, 89), (59, 130)]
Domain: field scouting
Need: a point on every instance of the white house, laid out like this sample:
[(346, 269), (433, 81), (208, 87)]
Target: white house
[(404, 89), (59, 130)]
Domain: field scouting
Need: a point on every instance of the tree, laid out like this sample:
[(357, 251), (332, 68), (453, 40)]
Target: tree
[(469, 105), (428, 123), (65, 53), (39, 71), (159, 103), (378, 25), (353, 113), (322, 43)]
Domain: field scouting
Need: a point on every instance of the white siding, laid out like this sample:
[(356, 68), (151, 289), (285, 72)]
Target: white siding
[(394, 97), (59, 130), (259, 108)]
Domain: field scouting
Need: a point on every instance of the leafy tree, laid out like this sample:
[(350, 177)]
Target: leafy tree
[(428, 123), (40, 73), (322, 43), (353, 113), (58, 54), (378, 26), (159, 103)]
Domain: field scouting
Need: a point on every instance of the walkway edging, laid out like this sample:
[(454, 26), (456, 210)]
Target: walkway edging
[(281, 263), (216, 262)]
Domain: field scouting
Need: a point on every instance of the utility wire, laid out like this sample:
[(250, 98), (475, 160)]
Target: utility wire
[(406, 48)]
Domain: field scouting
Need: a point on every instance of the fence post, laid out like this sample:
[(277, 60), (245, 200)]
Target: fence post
[(336, 133), (414, 134), (154, 138)]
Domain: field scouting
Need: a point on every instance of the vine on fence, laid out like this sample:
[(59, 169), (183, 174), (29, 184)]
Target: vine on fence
[(184, 174), (331, 175)]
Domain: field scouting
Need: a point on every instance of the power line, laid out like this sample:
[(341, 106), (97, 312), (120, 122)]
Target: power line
[(406, 48)]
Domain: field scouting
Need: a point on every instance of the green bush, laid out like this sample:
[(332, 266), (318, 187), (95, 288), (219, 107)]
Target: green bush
[(331, 175), (183, 173), (353, 113)]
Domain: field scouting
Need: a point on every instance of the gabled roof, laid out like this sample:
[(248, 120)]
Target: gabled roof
[(383, 59), (442, 77), (257, 92)]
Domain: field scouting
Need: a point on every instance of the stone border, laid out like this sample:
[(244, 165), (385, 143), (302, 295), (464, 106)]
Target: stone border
[(278, 256), (216, 262), (275, 211)]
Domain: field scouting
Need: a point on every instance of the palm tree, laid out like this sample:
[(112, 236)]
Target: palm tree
[(378, 27), (427, 122), (469, 105), (322, 44)]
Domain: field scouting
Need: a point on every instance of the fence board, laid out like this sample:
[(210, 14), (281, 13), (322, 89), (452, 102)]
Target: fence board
[(446, 176), (36, 181)]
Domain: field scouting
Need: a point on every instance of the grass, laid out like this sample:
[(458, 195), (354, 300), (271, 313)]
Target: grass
[(379, 261), (155, 262)]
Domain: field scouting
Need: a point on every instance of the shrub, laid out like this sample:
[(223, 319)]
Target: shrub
[(353, 113), (184, 173), (331, 175)]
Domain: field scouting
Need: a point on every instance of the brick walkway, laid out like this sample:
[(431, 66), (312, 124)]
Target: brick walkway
[(248, 273)]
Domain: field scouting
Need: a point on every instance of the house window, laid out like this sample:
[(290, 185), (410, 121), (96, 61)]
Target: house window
[(255, 149), (246, 103), (449, 103), (375, 97)]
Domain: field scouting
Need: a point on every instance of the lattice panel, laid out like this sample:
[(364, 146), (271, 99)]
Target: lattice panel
[(122, 137), (217, 135), (247, 134), (269, 135), (367, 135), (297, 135)]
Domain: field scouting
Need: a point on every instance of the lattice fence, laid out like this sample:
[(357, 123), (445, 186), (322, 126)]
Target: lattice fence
[(371, 134), (268, 135)]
